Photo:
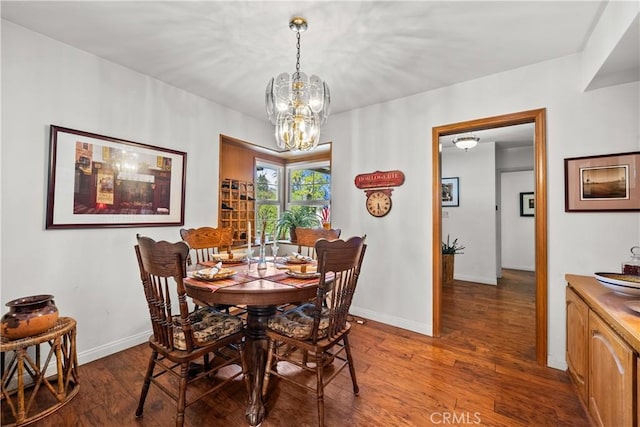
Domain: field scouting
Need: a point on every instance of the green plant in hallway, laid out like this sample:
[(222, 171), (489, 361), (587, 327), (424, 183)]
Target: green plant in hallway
[(452, 248)]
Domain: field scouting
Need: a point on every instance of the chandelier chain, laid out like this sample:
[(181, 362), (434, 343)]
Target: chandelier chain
[(298, 55)]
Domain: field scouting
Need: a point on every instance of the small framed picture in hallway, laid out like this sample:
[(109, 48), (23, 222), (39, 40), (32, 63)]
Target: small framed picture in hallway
[(450, 192), (527, 204)]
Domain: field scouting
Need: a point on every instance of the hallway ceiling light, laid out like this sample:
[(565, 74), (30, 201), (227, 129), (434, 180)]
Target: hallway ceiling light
[(465, 142), (296, 104)]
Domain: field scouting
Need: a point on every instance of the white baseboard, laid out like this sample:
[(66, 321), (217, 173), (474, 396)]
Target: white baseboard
[(520, 267), (112, 347), (91, 355), (421, 328), (476, 279), (553, 362)]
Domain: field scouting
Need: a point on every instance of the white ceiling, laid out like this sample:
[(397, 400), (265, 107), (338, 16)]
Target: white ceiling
[(368, 52)]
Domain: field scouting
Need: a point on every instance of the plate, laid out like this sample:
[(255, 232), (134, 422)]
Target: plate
[(204, 274), (294, 260), (633, 305), (226, 260), (619, 279), (624, 284), (299, 275)]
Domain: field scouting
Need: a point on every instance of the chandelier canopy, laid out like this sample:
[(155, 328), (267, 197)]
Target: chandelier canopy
[(296, 104), (465, 142)]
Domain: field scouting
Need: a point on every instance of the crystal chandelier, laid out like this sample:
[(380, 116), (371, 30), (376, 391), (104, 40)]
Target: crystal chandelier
[(465, 142), (296, 104)]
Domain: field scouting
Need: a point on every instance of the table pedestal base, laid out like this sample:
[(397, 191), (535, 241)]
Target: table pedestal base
[(256, 357)]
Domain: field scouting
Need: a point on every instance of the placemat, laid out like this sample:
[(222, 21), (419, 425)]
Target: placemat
[(285, 279), (213, 286)]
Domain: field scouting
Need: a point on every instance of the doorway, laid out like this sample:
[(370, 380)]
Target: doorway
[(538, 118)]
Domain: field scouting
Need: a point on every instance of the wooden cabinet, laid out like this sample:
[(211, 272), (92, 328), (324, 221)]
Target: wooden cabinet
[(611, 368), (237, 208), (578, 342), (637, 392), (603, 343)]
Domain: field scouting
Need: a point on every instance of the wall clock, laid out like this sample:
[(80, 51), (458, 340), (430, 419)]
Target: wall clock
[(379, 202)]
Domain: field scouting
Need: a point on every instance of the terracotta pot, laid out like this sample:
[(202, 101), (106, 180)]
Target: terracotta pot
[(29, 316)]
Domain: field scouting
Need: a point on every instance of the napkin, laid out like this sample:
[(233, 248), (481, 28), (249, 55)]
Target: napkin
[(211, 272), (296, 255)]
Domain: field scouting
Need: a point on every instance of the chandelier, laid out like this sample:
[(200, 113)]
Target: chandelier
[(296, 104), (465, 142)]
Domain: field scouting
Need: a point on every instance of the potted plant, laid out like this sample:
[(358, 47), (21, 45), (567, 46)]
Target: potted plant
[(325, 215), (303, 216), (449, 250)]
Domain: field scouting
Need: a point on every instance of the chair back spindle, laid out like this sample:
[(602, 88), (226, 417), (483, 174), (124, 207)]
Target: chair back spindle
[(162, 268), (205, 241), (339, 265), (307, 238)]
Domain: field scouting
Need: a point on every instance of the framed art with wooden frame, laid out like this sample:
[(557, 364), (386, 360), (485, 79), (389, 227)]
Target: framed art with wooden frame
[(450, 192), (101, 181), (527, 204), (609, 182)]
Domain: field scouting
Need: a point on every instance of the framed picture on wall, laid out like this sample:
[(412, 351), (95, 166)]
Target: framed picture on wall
[(527, 204), (101, 181), (608, 182), (450, 192)]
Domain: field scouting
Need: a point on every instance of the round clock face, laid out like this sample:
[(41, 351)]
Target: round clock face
[(378, 203)]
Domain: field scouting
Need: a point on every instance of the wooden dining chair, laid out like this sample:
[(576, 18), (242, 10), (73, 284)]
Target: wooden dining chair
[(181, 337), (314, 329), (306, 239), (204, 242)]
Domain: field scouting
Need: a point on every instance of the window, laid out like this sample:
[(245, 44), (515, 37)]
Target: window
[(307, 187), (268, 196)]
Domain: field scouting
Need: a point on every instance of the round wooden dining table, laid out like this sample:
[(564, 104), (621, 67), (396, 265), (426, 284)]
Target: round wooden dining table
[(261, 291)]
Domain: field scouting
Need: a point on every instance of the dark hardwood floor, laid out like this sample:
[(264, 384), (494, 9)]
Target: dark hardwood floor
[(482, 371)]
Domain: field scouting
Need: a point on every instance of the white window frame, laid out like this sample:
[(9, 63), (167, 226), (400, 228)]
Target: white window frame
[(306, 165)]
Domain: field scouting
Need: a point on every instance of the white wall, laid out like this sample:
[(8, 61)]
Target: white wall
[(515, 158), (93, 272), (396, 283), (509, 158), (473, 223), (518, 232)]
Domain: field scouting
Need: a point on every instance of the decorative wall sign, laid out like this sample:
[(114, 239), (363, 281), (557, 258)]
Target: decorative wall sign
[(100, 181), (376, 188), (379, 179), (602, 183)]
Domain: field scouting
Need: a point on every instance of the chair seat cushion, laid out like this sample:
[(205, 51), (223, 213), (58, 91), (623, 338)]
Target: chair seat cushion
[(207, 325), (298, 322)]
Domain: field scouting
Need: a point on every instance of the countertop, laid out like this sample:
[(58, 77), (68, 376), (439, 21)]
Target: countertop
[(610, 306)]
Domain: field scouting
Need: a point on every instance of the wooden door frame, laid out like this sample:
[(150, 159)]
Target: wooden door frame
[(538, 118)]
